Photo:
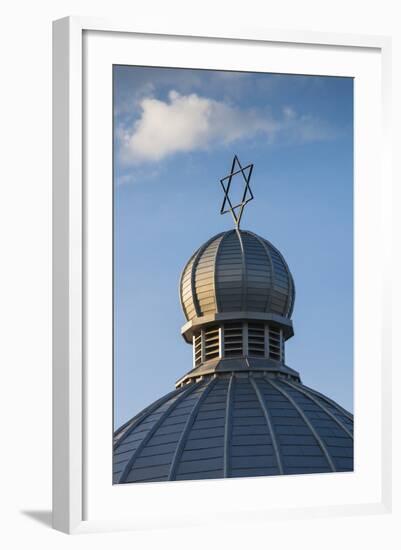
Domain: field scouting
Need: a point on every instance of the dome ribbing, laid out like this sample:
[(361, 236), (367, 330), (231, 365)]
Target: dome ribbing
[(234, 426), (237, 271)]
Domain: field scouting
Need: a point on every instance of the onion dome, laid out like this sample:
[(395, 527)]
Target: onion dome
[(237, 294), (236, 271), (233, 426)]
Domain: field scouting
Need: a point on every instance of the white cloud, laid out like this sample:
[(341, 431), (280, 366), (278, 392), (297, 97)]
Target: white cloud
[(186, 123)]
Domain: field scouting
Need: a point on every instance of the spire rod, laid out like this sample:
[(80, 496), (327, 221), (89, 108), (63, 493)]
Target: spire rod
[(227, 206)]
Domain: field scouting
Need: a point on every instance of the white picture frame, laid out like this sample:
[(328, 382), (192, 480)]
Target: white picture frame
[(83, 49)]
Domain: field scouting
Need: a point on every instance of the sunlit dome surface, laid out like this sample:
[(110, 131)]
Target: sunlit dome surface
[(237, 271)]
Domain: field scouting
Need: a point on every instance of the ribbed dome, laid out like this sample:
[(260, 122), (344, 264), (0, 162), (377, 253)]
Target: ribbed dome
[(240, 411), (236, 271), (231, 426)]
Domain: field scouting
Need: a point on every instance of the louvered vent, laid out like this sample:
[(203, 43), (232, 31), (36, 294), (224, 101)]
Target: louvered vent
[(211, 342), (233, 340), (275, 344), (256, 339), (253, 339), (197, 349)]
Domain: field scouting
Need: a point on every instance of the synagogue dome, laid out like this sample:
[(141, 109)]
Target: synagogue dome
[(240, 410), (235, 425), (236, 271)]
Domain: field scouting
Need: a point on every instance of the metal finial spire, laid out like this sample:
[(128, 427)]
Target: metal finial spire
[(237, 209)]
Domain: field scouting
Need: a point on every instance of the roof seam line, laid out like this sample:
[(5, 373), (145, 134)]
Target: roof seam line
[(307, 422), (291, 285), (193, 286), (228, 426), (180, 286), (268, 422), (151, 432), (331, 402), (188, 425), (216, 298), (144, 414), (324, 409), (197, 258), (270, 262), (244, 270)]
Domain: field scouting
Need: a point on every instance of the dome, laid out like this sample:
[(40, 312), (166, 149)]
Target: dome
[(235, 425), (236, 271), (240, 410)]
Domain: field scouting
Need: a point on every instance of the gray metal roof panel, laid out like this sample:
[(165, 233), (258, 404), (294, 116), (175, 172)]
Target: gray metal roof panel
[(235, 426)]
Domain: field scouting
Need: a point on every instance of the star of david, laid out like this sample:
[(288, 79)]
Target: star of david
[(226, 183)]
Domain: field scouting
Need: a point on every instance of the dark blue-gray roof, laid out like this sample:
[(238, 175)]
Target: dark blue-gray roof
[(235, 425)]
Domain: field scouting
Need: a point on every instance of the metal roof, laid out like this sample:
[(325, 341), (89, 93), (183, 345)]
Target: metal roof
[(240, 411), (233, 425), (237, 271)]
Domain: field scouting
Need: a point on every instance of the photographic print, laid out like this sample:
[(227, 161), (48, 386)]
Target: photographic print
[(233, 274)]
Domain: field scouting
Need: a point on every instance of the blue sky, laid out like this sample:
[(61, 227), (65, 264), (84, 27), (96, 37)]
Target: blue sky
[(176, 131)]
